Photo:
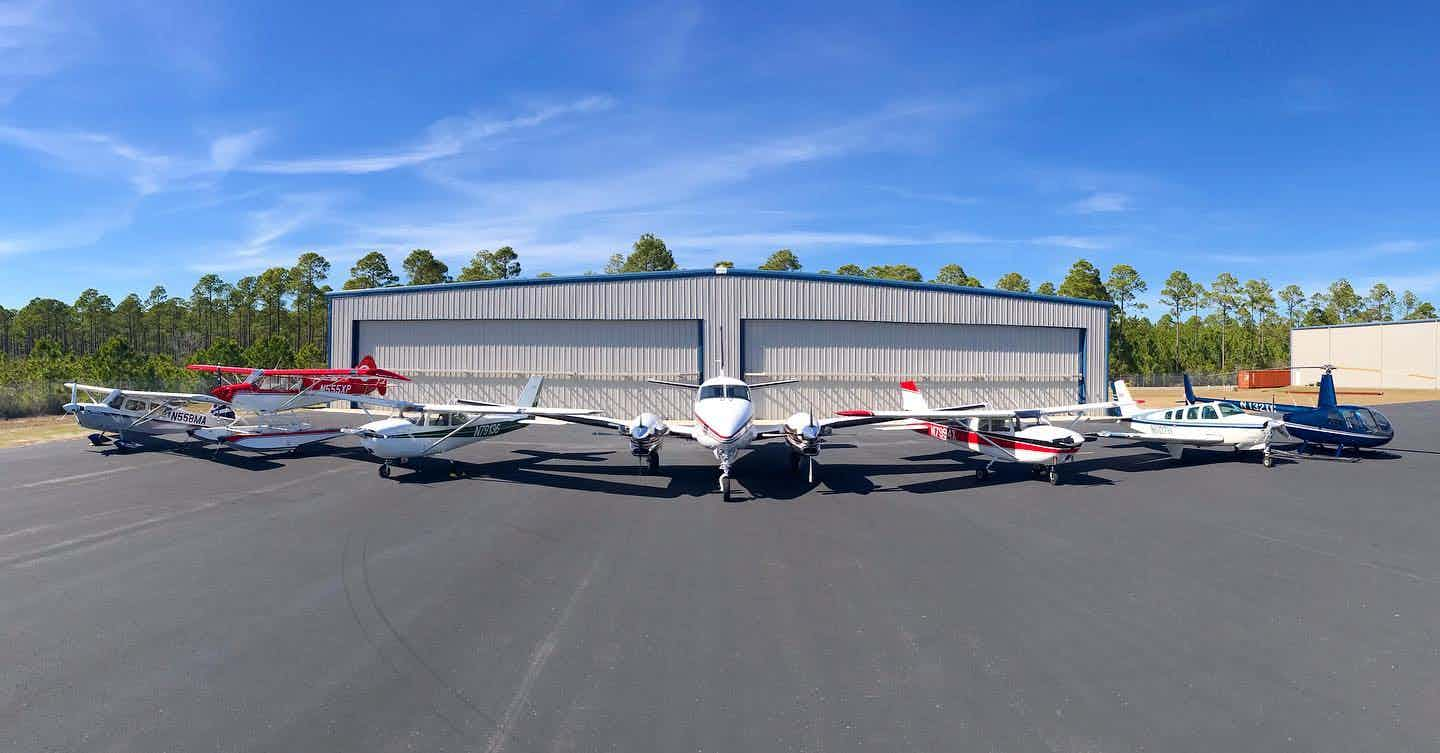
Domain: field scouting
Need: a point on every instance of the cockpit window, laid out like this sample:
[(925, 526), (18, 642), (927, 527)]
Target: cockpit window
[(1360, 420), (1229, 410), (1209, 413), (738, 391), (1380, 420)]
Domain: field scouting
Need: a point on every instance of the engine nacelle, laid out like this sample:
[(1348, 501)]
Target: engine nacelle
[(803, 433), (645, 432)]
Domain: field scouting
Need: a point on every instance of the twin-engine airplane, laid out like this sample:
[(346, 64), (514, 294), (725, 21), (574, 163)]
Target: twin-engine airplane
[(1020, 435), (272, 390), (724, 423), (1201, 423), (425, 429)]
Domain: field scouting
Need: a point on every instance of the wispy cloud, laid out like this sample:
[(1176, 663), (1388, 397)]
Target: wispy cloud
[(1086, 243), (32, 33), (1096, 203), (83, 229), (937, 197), (445, 138), (104, 155)]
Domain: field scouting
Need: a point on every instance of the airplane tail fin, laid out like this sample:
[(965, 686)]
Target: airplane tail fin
[(1327, 392), (367, 364), (910, 397), (1189, 391), (530, 393), (1128, 407)]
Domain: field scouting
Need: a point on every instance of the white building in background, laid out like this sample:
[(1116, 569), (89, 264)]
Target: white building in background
[(1386, 355), (848, 340)]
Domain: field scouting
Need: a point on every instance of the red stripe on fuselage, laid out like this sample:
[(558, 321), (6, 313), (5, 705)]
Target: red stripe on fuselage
[(1006, 441)]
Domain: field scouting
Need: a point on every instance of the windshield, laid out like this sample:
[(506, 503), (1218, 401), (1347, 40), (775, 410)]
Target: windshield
[(738, 391), (1229, 410), (1360, 420), (1380, 420)]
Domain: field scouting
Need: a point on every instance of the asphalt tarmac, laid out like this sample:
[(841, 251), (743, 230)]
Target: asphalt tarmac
[(554, 599)]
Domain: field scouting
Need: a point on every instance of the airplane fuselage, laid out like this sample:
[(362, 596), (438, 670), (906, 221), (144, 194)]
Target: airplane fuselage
[(400, 438), (112, 420), (1236, 429), (1041, 444)]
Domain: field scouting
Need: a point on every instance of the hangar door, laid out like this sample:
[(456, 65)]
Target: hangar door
[(586, 363), (847, 364)]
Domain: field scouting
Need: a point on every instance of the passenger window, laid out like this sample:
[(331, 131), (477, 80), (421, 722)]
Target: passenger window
[(1209, 413), (1192, 414)]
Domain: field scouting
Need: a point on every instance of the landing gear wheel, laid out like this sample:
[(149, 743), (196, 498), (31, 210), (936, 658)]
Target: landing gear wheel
[(810, 469), (653, 462), (1054, 476), (981, 474), (384, 470), (725, 488), (1268, 460)]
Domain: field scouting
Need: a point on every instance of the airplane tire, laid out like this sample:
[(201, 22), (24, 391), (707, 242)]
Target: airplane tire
[(1054, 476), (1268, 461), (981, 474), (384, 470), (725, 488)]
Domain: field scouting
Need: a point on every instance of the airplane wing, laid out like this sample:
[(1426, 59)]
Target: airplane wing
[(1192, 440), (187, 397), (588, 418), (849, 418), (470, 406)]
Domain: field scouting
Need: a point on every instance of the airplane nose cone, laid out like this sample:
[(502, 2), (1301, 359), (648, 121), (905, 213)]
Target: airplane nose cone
[(725, 421)]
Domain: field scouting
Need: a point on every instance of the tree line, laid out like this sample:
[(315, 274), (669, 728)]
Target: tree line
[(276, 318)]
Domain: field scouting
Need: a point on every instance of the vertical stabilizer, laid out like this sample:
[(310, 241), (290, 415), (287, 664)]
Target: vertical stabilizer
[(1128, 407), (910, 397), (1189, 391), (530, 393), (1327, 392)]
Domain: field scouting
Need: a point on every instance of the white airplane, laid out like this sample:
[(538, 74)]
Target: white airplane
[(123, 413), (1021, 435), (724, 423), (425, 429), (126, 413), (1205, 424)]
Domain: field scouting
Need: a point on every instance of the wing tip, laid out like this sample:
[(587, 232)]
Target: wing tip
[(857, 413), (909, 386)]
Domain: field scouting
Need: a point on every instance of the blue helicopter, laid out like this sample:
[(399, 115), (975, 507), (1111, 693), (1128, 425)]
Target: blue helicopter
[(1328, 423)]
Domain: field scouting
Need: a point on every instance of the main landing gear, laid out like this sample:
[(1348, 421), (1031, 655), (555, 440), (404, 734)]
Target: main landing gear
[(650, 462), (725, 486), (1049, 472)]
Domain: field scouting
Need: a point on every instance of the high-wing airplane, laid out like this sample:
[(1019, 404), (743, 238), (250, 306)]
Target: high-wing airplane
[(425, 429), (126, 414), (272, 390), (1209, 423), (1020, 435), (724, 423), (123, 413)]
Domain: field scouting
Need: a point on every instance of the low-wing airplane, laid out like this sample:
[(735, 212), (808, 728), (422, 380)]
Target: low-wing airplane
[(273, 390), (724, 423), (1019, 435), (425, 429), (1207, 423), (1328, 423), (123, 413)]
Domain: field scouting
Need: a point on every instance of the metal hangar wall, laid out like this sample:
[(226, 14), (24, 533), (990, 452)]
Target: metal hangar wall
[(848, 340)]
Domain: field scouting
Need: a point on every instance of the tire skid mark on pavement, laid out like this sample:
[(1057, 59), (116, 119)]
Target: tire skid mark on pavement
[(26, 559)]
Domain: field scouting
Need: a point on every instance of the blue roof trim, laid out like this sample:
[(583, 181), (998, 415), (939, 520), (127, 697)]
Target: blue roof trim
[(1368, 324), (683, 273)]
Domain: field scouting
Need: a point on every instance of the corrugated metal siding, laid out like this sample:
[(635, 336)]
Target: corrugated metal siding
[(584, 362), (723, 302), (859, 364), (1400, 355)]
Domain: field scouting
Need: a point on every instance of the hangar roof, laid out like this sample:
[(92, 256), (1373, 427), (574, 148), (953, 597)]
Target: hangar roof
[(732, 272)]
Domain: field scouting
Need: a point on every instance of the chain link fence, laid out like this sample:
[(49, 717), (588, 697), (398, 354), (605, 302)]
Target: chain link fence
[(1222, 379)]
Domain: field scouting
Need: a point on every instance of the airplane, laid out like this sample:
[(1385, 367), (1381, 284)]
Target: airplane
[(124, 413), (1199, 423), (724, 423), (1021, 435), (273, 390), (436, 428), (110, 410), (1327, 423)]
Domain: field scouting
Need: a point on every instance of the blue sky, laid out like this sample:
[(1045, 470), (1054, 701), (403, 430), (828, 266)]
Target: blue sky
[(144, 143)]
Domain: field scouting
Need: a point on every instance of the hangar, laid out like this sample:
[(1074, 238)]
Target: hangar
[(1388, 355), (848, 340)]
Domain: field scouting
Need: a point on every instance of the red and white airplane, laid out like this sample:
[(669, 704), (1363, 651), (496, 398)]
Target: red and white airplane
[(1016, 435), (272, 390)]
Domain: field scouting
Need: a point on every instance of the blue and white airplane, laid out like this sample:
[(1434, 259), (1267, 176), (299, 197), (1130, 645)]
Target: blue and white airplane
[(1214, 424)]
